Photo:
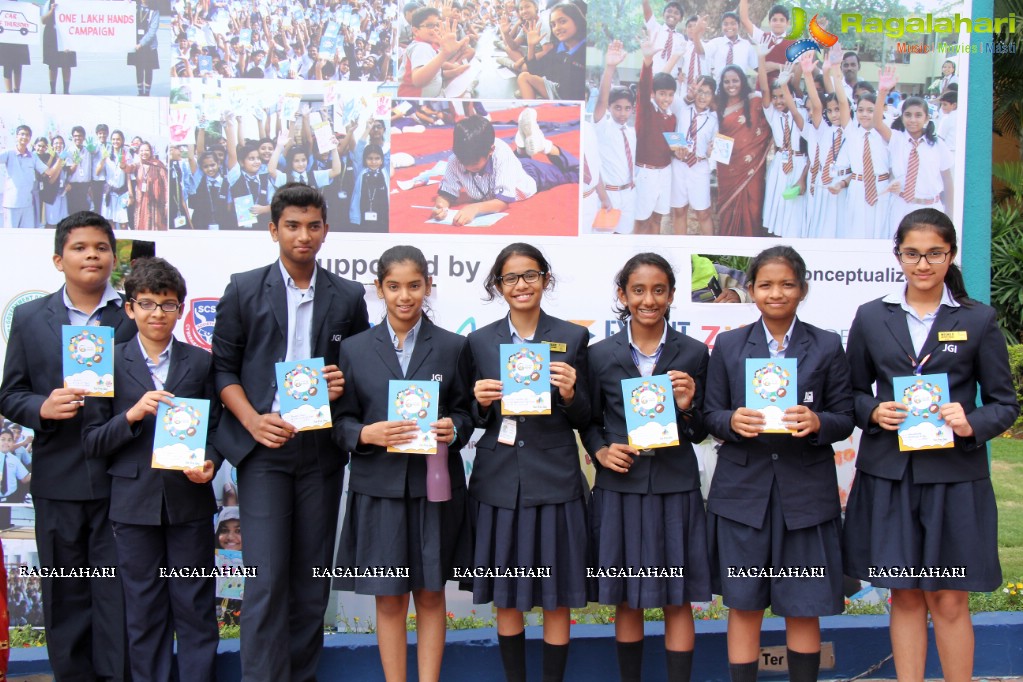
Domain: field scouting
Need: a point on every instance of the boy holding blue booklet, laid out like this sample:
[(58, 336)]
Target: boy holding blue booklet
[(161, 518)]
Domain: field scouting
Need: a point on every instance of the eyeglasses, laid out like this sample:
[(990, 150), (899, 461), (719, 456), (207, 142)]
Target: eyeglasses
[(912, 257), (430, 26), (512, 278), (149, 306)]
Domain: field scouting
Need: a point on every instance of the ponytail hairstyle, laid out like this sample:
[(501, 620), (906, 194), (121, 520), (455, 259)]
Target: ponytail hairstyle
[(633, 264), (929, 133), (784, 254), (827, 99), (936, 221)]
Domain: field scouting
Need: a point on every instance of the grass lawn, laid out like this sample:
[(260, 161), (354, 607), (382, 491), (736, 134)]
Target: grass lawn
[(1007, 477)]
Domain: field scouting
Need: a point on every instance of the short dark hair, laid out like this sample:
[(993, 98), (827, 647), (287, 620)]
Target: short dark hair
[(676, 5), (952, 87), (620, 92), (782, 10), (473, 139), (299, 195), (864, 85), (664, 81), (103, 127), (850, 53), (729, 15), (493, 281), (246, 148), (785, 254), (421, 15), (24, 127), (950, 97), (8, 432), (372, 148), (156, 276), (78, 129), (81, 219), (633, 264)]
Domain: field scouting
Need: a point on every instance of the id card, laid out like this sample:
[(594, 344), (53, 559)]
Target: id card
[(180, 221), (508, 430), (143, 186), (371, 215)]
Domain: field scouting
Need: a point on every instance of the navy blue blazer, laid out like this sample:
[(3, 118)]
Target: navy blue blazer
[(803, 467), (667, 470), (543, 466), (32, 369), (251, 334), (880, 348), (369, 362), (138, 491)]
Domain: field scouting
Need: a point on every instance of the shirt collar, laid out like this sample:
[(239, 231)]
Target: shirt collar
[(899, 298), (628, 329), (515, 333), (785, 339), (109, 295), (410, 337), (562, 49), (161, 359), (290, 283)]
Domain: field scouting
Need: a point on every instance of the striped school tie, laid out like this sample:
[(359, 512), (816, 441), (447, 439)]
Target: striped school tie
[(730, 57), (668, 44), (836, 144), (628, 154), (691, 141), (786, 143), (869, 179), (815, 167), (909, 191), (694, 63)]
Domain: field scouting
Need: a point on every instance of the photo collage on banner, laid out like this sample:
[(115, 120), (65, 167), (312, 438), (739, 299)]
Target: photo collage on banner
[(594, 130)]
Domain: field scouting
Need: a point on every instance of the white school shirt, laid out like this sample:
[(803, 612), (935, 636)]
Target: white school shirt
[(775, 119), (614, 165), (743, 55), (706, 127), (659, 35), (591, 157), (501, 178), (947, 129), (851, 155), (702, 67), (759, 35), (934, 158)]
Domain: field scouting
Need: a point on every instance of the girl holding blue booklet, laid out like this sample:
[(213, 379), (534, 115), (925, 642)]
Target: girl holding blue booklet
[(647, 511), (924, 523), (773, 508), (527, 488), (388, 520)]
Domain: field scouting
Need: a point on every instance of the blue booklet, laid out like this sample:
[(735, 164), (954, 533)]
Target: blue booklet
[(89, 359), (923, 395), (302, 391), (245, 37), (650, 412), (230, 586), (675, 139), (243, 212), (180, 440), (771, 389), (205, 63), (526, 373), (328, 41), (414, 400)]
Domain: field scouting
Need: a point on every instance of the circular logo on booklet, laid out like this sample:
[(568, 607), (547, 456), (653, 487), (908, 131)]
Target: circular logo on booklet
[(771, 382), (412, 403), (181, 421), (648, 399), (301, 383), (524, 367), (86, 348), (922, 398)]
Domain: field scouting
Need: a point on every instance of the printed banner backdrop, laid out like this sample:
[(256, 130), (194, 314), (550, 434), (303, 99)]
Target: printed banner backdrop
[(108, 26), (302, 102), (19, 23)]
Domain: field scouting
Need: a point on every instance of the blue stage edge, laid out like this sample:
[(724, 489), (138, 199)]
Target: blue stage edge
[(859, 641)]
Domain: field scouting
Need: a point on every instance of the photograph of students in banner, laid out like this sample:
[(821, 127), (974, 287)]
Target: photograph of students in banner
[(704, 126), (61, 160), (335, 40), (238, 145), (508, 167), (110, 48)]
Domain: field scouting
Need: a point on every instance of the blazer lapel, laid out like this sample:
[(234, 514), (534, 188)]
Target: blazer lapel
[(946, 320), (899, 328), (799, 344), (278, 298), (756, 342), (136, 367), (58, 313), (623, 354), (179, 366), (385, 349), (423, 347), (323, 301), (113, 316), (668, 354)]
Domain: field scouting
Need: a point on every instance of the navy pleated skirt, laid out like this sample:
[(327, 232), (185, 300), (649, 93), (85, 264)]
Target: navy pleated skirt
[(430, 539), (547, 536), (806, 563), (661, 532), (894, 527)]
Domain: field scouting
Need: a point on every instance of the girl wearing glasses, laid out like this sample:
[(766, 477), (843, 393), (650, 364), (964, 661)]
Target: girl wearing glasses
[(924, 523), (527, 487), (646, 506)]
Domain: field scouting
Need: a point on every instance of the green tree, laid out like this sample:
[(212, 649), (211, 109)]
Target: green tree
[(1007, 85)]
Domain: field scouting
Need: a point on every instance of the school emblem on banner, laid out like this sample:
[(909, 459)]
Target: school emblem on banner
[(202, 315), (8, 314)]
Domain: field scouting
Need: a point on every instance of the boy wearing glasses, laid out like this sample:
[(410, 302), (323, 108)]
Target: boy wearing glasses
[(430, 57), (84, 616), (492, 176), (160, 517)]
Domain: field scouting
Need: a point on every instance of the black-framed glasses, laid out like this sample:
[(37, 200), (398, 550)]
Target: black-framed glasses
[(512, 278), (149, 306), (912, 257)]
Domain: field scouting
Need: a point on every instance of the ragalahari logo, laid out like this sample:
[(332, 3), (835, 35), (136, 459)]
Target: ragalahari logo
[(202, 315), (820, 38)]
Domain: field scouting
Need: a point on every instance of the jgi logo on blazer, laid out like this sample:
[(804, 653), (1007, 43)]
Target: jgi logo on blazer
[(437, 377), (336, 337), (951, 348), (808, 397)]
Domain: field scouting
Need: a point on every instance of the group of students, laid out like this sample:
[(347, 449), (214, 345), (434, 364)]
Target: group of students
[(49, 179), (337, 40), (525, 529), (835, 152), (544, 47), (353, 174)]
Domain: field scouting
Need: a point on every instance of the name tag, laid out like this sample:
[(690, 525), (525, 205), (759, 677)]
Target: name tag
[(371, 215), (508, 430), (951, 336), (556, 346), (180, 221)]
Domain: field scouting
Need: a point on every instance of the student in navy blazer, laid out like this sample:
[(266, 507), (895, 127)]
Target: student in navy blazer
[(773, 505), (646, 508), (289, 484), (528, 492), (928, 509), (161, 518), (389, 521), (71, 494)]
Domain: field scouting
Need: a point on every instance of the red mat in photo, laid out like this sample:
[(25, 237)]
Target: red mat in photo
[(551, 212)]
